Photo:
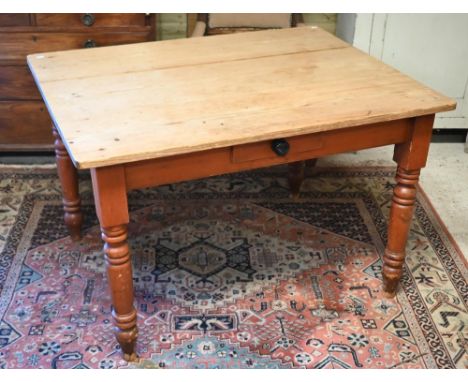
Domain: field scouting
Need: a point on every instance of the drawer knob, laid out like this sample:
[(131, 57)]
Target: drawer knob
[(89, 43), (280, 147), (88, 19)]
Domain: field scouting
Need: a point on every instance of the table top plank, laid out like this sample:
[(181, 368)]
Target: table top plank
[(112, 106), (148, 56)]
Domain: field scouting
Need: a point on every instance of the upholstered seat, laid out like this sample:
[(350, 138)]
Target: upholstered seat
[(218, 23)]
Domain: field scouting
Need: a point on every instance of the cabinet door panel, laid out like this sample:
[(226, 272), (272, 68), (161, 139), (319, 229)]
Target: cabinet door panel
[(14, 19), (16, 82), (24, 124), (431, 48)]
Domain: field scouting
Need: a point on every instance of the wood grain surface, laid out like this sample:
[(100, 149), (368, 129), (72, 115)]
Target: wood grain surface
[(135, 102)]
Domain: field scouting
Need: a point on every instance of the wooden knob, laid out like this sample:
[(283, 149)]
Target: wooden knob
[(89, 43), (280, 147), (88, 19)]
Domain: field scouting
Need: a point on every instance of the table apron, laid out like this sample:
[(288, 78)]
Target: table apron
[(217, 161)]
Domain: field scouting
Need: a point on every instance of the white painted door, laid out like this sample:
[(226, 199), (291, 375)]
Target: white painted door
[(432, 48)]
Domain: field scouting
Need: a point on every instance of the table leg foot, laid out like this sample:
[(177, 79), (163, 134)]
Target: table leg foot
[(133, 357), (119, 271), (73, 218), (401, 212), (127, 341), (69, 180), (296, 177), (390, 281)]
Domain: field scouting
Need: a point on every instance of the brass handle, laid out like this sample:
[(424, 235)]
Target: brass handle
[(89, 43), (88, 19), (280, 147)]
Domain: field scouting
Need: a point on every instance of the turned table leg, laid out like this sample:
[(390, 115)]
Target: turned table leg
[(401, 213), (110, 196), (69, 180), (411, 157)]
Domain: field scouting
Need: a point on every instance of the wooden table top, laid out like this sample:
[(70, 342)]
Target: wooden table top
[(127, 103)]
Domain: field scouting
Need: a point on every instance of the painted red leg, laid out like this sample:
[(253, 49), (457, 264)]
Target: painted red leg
[(69, 180)]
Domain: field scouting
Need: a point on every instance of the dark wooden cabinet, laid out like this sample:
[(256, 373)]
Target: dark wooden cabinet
[(24, 122)]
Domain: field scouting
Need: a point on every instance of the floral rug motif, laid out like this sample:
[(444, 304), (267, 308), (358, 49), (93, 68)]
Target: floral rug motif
[(230, 272)]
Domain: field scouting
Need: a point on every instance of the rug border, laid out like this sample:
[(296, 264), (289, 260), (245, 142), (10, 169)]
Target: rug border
[(464, 260)]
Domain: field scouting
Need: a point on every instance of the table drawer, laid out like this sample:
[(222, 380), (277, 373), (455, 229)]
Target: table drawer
[(90, 20), (286, 148), (24, 123), (16, 46), (16, 83), (14, 19)]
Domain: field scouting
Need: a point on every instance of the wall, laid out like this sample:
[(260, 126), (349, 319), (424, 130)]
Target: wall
[(431, 48)]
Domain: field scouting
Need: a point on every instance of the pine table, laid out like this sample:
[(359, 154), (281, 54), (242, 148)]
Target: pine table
[(155, 113)]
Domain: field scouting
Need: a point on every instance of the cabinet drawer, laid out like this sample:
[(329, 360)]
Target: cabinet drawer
[(17, 83), (14, 19), (16, 46), (264, 150), (90, 20), (24, 123)]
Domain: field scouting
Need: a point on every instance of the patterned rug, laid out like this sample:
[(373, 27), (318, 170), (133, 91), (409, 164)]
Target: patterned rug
[(232, 273)]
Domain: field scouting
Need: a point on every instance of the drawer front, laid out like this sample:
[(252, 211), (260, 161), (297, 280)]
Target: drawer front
[(14, 19), (16, 46), (265, 150), (16, 83), (24, 123), (90, 20)]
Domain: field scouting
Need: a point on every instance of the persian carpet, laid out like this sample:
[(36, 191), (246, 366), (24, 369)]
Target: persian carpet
[(230, 272)]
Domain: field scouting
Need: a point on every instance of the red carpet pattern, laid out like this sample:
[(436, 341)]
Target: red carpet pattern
[(230, 272)]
